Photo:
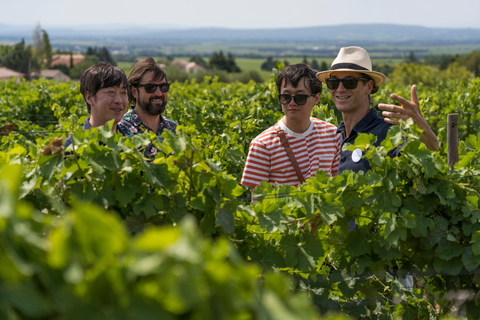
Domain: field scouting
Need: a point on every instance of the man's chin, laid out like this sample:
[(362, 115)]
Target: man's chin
[(156, 111)]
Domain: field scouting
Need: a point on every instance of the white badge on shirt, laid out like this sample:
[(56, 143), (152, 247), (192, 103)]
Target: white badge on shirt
[(356, 155)]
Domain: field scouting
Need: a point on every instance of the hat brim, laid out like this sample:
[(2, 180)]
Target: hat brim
[(378, 77)]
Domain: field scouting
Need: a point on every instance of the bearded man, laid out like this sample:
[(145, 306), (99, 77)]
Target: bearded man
[(149, 93)]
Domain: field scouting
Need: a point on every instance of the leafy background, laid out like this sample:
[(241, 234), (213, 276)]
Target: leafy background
[(99, 232)]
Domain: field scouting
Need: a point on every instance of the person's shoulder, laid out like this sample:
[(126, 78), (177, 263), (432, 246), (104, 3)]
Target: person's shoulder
[(323, 125), (126, 122), (268, 134), (127, 117), (169, 121)]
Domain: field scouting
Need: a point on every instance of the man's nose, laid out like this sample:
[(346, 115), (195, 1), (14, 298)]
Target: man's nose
[(117, 97), (340, 86), (292, 101)]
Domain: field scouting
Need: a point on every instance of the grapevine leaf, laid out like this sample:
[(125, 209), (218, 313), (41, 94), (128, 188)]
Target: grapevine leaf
[(476, 243), (451, 267), (225, 217), (471, 261), (267, 256), (302, 253), (447, 250)]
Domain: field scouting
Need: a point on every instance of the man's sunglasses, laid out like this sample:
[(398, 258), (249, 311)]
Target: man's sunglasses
[(299, 99), (151, 87), (349, 83)]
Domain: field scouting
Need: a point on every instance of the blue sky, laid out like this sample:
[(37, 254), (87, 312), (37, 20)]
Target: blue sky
[(246, 14)]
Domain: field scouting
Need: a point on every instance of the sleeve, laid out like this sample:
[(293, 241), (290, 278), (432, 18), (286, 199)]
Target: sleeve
[(257, 165)]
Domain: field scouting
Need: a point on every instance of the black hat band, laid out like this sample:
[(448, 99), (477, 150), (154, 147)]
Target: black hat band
[(348, 66)]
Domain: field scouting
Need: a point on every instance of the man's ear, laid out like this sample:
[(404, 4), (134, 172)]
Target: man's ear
[(134, 92), (370, 86), (89, 98), (316, 97)]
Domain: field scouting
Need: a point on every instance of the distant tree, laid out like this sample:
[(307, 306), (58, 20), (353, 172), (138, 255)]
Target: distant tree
[(411, 58), (305, 60), (17, 57), (323, 66), (99, 55), (314, 65), (441, 61), (199, 60), (386, 69), (231, 64), (269, 64), (455, 71), (286, 63), (91, 51), (37, 60), (218, 61), (408, 73), (471, 62), (62, 67), (77, 71), (47, 49), (104, 56)]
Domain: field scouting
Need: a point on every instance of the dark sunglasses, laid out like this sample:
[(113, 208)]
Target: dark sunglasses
[(299, 99), (349, 83), (151, 87)]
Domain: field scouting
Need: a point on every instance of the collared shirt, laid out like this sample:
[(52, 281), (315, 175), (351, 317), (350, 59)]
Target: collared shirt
[(371, 123), (86, 126), (131, 124)]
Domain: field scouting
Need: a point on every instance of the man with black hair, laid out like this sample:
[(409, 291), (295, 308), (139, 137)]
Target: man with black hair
[(351, 81), (105, 90), (297, 146)]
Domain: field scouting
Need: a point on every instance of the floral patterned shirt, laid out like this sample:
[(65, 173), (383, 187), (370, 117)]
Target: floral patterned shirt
[(131, 125)]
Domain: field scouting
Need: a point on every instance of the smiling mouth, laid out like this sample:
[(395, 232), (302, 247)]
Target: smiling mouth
[(344, 97)]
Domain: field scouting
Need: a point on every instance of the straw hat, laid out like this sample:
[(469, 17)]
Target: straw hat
[(354, 59)]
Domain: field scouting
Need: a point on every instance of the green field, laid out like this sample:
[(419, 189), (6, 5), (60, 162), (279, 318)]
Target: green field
[(254, 64)]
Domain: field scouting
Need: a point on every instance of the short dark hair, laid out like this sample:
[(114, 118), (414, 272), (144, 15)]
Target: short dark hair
[(375, 87), (143, 66), (294, 73), (101, 75)]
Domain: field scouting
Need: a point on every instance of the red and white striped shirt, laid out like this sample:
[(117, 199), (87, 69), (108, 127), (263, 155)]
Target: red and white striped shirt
[(318, 148)]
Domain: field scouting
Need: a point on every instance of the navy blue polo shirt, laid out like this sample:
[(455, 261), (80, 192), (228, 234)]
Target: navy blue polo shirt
[(86, 126), (371, 123)]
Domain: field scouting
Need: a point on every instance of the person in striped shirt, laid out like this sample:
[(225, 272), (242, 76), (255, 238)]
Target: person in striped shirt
[(315, 143)]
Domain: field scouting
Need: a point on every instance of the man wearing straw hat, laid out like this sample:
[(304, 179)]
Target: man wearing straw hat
[(351, 81)]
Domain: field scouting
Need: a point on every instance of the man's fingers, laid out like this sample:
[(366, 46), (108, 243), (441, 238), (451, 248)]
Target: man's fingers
[(391, 107), (395, 115), (391, 121), (413, 93), (399, 99), (385, 106)]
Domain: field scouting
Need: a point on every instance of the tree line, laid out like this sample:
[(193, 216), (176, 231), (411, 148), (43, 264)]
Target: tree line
[(34, 58)]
